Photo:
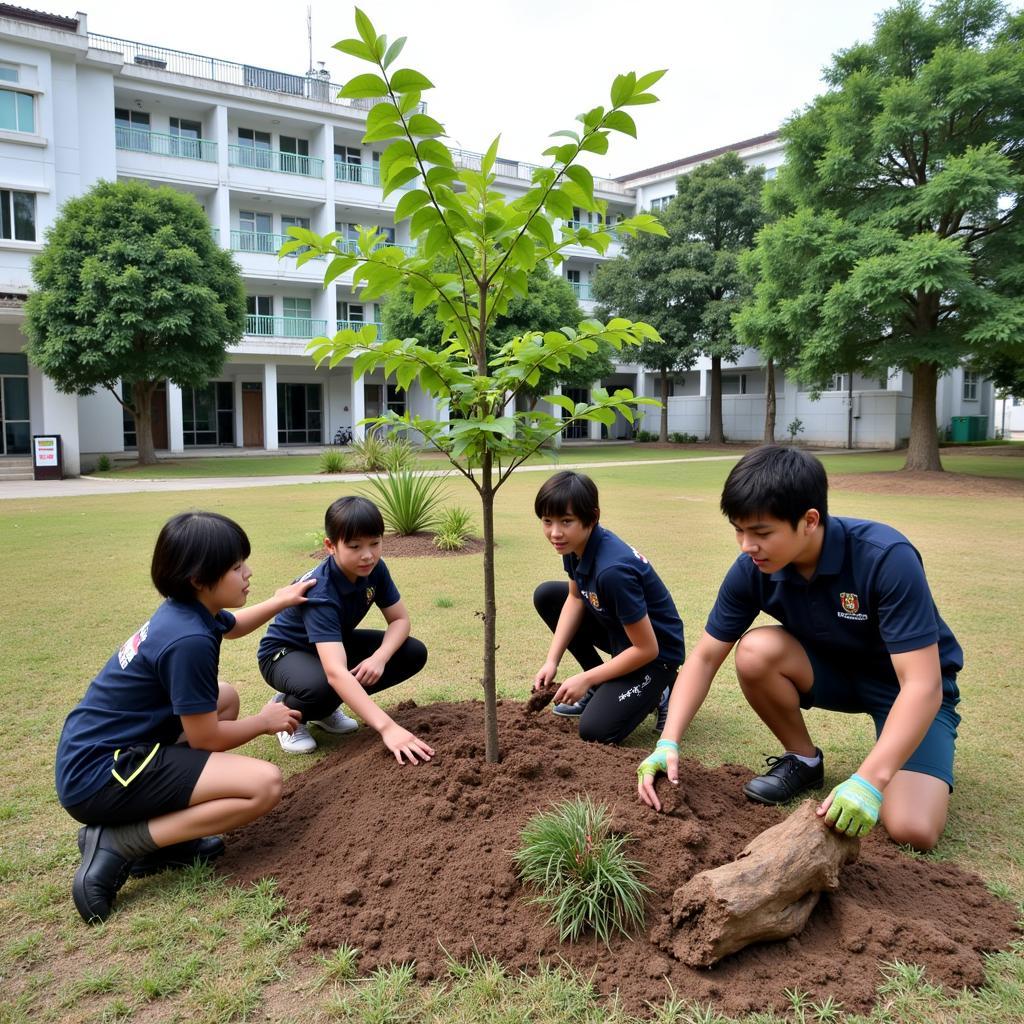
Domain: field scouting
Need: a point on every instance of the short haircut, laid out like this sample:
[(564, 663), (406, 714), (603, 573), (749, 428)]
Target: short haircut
[(351, 517), (568, 493), (780, 482), (195, 549)]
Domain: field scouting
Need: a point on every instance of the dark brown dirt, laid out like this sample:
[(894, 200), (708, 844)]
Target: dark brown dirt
[(417, 545), (401, 862), (541, 698), (918, 482)]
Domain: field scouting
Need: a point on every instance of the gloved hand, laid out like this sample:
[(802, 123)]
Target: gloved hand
[(657, 760), (855, 806)]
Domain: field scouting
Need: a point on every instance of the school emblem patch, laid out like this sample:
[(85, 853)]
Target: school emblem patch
[(592, 598), (850, 603), (130, 647), (369, 594), (638, 555)]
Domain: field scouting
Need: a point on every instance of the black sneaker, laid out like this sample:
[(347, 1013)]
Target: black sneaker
[(662, 709), (786, 779), (573, 710), (98, 878)]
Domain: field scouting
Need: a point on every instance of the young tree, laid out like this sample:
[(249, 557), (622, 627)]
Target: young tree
[(131, 287), (901, 242), (696, 282), (492, 244)]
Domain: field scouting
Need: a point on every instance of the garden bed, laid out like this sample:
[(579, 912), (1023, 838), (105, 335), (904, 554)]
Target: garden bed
[(406, 863)]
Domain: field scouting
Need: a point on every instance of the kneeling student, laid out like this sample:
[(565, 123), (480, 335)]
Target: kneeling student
[(316, 656), (859, 632), (614, 601), (141, 760)]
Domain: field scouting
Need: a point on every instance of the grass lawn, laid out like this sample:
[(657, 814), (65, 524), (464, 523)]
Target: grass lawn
[(188, 946)]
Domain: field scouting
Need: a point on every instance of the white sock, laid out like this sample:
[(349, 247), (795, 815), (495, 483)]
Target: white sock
[(811, 762)]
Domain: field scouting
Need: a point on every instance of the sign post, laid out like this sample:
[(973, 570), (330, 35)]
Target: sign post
[(47, 457)]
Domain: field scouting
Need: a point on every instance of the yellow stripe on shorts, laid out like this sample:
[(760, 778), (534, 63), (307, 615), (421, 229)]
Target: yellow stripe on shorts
[(124, 782)]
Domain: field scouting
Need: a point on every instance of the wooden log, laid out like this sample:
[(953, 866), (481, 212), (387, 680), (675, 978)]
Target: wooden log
[(767, 893)]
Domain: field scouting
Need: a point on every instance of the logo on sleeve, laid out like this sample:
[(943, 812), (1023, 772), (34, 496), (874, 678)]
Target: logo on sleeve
[(850, 604), (591, 596), (638, 555), (370, 591), (131, 647)]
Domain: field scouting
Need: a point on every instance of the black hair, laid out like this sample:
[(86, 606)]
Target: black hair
[(568, 493), (195, 549), (351, 517), (780, 482)]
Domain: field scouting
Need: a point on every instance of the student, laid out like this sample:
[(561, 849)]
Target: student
[(613, 602), (859, 632), (315, 655), (141, 760)]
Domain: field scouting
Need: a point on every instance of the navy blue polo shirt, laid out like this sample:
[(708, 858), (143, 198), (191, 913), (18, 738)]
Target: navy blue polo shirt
[(867, 600), (166, 669), (334, 607), (619, 587)]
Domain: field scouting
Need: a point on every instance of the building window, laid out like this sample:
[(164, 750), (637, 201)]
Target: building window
[(8, 73), (395, 400), (971, 379), (14, 416), (660, 203), (17, 111), (348, 165), (297, 317), (255, 232), (838, 382), (294, 222), (261, 314), (351, 312), (18, 215), (186, 138), (294, 155), (208, 414), (734, 383), (299, 413), (131, 130), (254, 149)]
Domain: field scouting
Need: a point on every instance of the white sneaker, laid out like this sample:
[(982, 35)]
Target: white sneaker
[(298, 742), (337, 723)]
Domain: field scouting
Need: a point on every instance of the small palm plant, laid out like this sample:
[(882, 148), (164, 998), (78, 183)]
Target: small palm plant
[(369, 452), (580, 871), (409, 502), (453, 529), (399, 454)]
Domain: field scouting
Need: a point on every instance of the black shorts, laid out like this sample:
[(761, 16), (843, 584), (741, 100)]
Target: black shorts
[(150, 780)]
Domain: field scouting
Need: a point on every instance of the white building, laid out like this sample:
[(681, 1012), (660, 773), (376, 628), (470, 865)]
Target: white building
[(262, 150)]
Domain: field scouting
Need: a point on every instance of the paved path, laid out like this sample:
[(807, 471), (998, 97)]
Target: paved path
[(87, 485)]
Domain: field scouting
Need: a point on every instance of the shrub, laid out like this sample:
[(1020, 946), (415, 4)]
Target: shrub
[(582, 875), (333, 461), (795, 427), (682, 438), (453, 528), (369, 452), (399, 454), (409, 502), (103, 464), (645, 435)]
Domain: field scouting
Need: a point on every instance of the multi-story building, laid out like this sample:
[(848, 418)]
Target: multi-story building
[(261, 151)]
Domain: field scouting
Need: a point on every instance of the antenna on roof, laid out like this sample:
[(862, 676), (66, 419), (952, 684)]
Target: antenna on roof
[(309, 34)]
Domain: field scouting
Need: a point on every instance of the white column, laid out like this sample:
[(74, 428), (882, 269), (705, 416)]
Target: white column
[(640, 390), (594, 430), (557, 411), (358, 405), (175, 420), (220, 205), (60, 416), (270, 406), (239, 425)]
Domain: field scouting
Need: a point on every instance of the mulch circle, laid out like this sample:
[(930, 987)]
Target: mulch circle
[(402, 861), (417, 545), (918, 482)]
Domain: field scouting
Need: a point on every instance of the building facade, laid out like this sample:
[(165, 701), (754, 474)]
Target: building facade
[(261, 151)]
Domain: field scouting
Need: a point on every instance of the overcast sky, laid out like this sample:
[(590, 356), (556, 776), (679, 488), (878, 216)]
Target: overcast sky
[(736, 68)]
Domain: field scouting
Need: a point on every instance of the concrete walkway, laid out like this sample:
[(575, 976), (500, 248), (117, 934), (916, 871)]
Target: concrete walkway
[(86, 485)]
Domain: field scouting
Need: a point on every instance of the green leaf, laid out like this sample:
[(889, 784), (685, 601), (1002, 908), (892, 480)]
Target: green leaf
[(406, 79), (596, 143), (423, 219), (410, 203), (437, 239), (490, 156), (393, 51), (436, 176), (409, 101), (563, 401), (338, 266), (433, 152), (644, 82), (583, 178), (423, 126), (622, 88), (384, 133), (559, 204), (366, 30), (565, 135), (364, 87), (641, 98), (381, 114), (620, 121), (540, 227), (398, 178), (355, 48)]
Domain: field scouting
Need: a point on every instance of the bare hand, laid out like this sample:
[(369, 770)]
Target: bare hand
[(294, 593), (402, 742), (572, 689), (280, 718), (369, 670), (545, 675), (664, 758)]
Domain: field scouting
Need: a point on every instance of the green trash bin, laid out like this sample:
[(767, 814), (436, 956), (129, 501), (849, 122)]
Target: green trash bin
[(960, 429), (977, 428)]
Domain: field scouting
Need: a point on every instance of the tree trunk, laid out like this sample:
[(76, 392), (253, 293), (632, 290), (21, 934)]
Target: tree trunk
[(663, 431), (923, 449), (491, 750), (766, 893), (769, 403), (849, 410), (142, 398), (716, 435)]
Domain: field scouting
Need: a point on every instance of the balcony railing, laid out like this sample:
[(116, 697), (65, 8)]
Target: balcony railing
[(142, 140), (517, 169), (311, 86), (350, 245), (358, 325), (575, 225), (359, 174), (262, 242), (275, 160), (581, 289), (284, 326)]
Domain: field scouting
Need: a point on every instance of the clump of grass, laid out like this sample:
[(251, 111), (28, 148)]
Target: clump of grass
[(444, 602), (399, 454), (103, 464), (333, 460), (369, 452), (409, 502), (453, 529), (581, 872), (341, 965)]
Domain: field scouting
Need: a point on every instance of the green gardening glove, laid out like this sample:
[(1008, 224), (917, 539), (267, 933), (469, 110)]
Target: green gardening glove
[(656, 761), (855, 807)]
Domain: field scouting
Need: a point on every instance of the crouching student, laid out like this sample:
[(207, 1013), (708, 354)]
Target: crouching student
[(315, 655), (858, 632), (142, 759), (614, 602)]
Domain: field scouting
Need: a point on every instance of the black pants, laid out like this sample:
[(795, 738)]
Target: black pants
[(618, 706), (301, 678)]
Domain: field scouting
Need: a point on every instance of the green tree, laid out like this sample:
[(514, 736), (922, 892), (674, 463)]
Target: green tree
[(131, 287), (690, 281), (492, 244), (900, 240)]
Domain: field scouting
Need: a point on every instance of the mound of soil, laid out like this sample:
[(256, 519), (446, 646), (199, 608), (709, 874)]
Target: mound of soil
[(402, 861), (417, 545)]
